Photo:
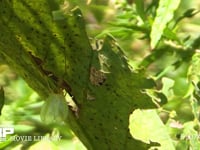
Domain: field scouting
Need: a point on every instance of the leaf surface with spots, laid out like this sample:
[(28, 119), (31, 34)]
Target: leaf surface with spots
[(52, 53)]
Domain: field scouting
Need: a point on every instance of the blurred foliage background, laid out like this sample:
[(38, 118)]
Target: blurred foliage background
[(172, 70)]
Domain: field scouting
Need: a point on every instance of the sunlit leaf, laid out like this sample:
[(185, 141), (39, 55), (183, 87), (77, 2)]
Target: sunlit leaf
[(164, 14), (145, 125), (167, 85), (194, 71)]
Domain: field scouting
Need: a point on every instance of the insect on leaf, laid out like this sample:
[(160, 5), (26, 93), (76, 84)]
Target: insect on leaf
[(55, 109)]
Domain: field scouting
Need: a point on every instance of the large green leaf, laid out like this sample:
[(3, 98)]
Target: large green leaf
[(145, 125), (48, 46), (164, 14)]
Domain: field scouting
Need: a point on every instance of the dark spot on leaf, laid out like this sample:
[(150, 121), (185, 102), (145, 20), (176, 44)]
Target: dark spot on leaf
[(62, 48), (178, 136), (64, 27), (37, 31), (130, 138), (96, 137), (76, 34), (25, 75), (135, 105)]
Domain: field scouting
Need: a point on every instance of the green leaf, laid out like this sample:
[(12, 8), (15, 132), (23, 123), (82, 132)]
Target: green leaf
[(55, 109), (191, 135), (44, 144), (164, 14), (2, 99), (140, 9), (58, 15), (59, 52), (169, 34), (187, 14), (145, 125), (190, 13), (181, 87), (193, 71), (4, 144), (167, 85), (195, 43)]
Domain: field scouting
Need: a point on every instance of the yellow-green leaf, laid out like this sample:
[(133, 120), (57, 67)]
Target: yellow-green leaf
[(164, 14), (145, 125)]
